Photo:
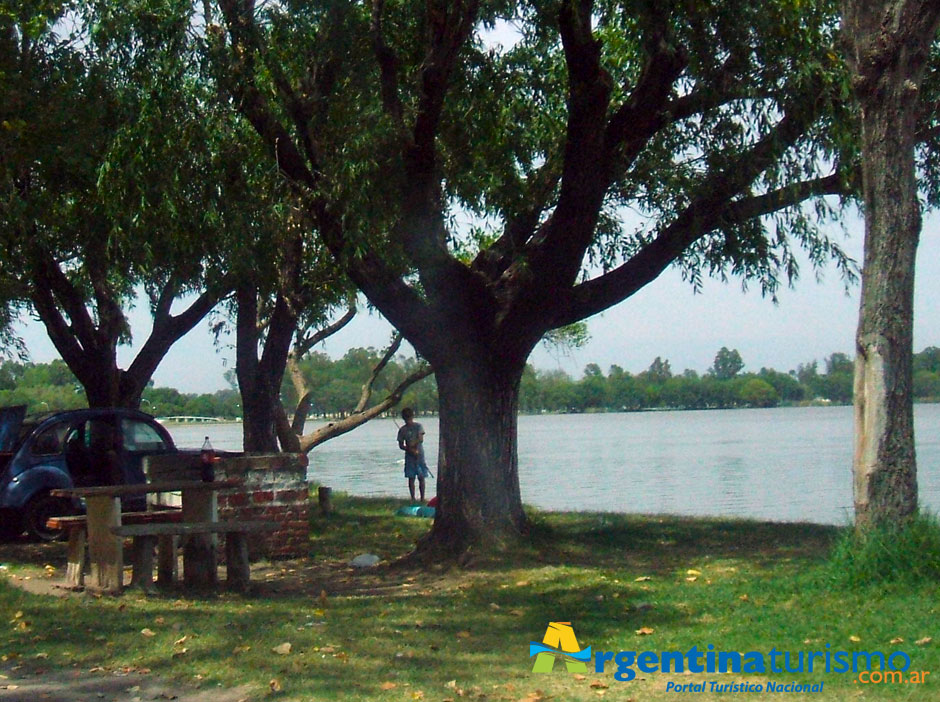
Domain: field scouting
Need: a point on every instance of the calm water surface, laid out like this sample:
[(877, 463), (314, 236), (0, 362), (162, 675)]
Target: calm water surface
[(784, 464)]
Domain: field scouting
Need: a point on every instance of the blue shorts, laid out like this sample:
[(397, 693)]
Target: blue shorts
[(414, 469)]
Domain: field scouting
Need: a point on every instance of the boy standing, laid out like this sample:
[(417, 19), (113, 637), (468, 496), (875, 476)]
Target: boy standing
[(411, 441)]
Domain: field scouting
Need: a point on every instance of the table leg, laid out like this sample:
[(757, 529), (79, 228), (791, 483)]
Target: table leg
[(166, 560), (75, 573), (200, 562), (104, 548), (236, 560)]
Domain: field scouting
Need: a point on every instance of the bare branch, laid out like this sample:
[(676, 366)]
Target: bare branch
[(379, 367)]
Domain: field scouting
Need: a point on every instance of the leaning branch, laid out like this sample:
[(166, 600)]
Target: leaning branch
[(334, 429)]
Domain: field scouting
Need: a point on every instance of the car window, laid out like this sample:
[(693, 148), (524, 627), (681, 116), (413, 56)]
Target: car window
[(49, 441), (140, 436)]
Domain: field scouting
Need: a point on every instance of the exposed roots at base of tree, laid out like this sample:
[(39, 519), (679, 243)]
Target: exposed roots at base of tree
[(455, 547)]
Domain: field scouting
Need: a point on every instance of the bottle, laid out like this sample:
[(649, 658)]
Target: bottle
[(207, 459)]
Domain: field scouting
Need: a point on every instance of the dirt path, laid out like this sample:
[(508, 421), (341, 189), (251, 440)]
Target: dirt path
[(102, 686)]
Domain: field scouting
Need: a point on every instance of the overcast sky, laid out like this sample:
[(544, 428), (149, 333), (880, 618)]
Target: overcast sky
[(664, 319)]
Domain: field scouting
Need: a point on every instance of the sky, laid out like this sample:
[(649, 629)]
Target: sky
[(666, 318)]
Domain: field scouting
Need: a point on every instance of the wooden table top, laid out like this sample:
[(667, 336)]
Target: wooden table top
[(144, 488)]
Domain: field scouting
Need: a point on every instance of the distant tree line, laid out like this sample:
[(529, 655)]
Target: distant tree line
[(336, 386), (724, 385)]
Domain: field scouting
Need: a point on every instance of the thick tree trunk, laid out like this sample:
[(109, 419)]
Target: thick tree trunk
[(889, 43), (477, 471)]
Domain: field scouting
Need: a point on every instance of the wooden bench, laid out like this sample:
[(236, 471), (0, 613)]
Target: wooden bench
[(199, 564), (75, 526)]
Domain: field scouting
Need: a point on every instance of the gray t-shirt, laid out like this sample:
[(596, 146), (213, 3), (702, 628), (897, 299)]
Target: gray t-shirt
[(410, 433)]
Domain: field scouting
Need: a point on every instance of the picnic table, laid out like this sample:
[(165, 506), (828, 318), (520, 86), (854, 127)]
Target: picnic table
[(198, 523)]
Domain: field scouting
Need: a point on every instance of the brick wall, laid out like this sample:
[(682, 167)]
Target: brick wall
[(274, 488)]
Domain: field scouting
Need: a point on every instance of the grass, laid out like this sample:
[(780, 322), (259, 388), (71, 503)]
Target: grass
[(451, 634)]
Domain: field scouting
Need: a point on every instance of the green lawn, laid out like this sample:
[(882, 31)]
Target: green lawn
[(449, 634)]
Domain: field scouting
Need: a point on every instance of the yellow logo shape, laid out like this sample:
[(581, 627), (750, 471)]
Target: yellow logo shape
[(560, 636)]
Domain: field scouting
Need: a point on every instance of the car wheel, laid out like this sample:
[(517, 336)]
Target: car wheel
[(37, 512)]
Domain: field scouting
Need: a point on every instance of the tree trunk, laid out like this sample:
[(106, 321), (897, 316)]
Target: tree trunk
[(477, 471), (889, 43), (259, 392)]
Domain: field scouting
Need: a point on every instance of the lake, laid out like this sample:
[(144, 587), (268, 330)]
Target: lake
[(781, 464)]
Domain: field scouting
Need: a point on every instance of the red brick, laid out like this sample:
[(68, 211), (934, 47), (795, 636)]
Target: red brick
[(260, 496)]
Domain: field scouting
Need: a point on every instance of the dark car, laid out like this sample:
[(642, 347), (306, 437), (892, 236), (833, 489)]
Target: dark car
[(75, 448)]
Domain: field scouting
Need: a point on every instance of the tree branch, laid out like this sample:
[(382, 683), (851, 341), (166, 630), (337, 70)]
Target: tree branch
[(388, 68), (334, 429), (379, 367), (604, 291)]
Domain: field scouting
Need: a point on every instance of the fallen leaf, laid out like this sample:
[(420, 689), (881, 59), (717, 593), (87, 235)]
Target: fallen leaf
[(18, 615), (744, 597), (854, 639), (579, 676), (598, 685), (388, 685), (180, 652), (241, 649), (644, 631), (42, 656), (516, 612), (327, 649), (147, 632), (275, 685), (463, 634), (536, 696), (642, 579), (691, 579), (494, 606), (692, 571), (897, 640), (451, 684), (160, 620), (522, 583), (924, 641), (282, 649), (181, 641), (417, 695)]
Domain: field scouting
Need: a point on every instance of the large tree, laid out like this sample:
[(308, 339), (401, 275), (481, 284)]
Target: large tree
[(888, 44), (107, 187), (394, 120)]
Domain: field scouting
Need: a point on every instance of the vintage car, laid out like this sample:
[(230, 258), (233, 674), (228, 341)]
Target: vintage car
[(74, 448)]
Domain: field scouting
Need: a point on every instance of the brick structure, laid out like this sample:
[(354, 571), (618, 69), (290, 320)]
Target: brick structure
[(274, 488)]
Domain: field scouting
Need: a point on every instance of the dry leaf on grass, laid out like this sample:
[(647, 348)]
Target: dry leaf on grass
[(282, 649), (388, 685), (854, 639), (691, 579), (897, 640), (644, 631), (275, 685), (598, 685), (463, 634), (692, 571), (579, 676), (923, 642)]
